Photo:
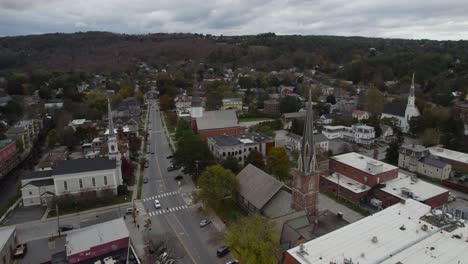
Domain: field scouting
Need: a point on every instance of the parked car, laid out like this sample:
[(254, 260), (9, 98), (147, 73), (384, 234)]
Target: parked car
[(145, 180), (157, 204), (232, 261), (129, 210), (222, 251), (204, 222), (172, 168), (169, 157), (64, 228), (178, 177), (20, 250)]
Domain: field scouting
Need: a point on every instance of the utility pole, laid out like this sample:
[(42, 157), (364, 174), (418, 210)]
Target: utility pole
[(58, 218)]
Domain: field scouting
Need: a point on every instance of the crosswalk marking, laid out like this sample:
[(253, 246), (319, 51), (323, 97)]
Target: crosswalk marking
[(169, 210), (166, 194)]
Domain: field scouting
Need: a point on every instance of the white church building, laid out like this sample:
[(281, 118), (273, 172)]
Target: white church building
[(75, 176), (402, 113)]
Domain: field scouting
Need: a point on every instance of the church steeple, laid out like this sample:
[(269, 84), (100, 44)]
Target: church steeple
[(307, 159), (111, 122), (411, 96)]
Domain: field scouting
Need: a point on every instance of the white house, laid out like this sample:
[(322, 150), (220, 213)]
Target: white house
[(402, 113), (360, 134), (360, 114)]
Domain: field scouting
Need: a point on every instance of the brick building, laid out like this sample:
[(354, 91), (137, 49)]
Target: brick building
[(7, 151), (216, 123), (361, 179), (271, 107)]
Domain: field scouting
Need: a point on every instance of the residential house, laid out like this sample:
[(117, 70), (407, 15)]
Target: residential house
[(325, 119), (239, 146), (19, 134), (232, 103), (387, 134), (53, 104), (458, 160), (417, 158), (358, 133), (360, 114)]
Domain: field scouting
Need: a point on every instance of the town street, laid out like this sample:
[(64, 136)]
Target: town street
[(177, 221)]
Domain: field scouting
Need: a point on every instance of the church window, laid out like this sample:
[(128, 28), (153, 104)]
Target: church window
[(81, 183), (94, 182), (65, 185), (105, 180)]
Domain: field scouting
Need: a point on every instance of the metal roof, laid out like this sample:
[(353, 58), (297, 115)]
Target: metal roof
[(217, 119), (5, 234), (434, 162), (83, 239), (396, 109), (257, 186), (84, 165)]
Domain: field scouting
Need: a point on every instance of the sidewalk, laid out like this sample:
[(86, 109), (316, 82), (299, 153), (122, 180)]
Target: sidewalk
[(142, 152)]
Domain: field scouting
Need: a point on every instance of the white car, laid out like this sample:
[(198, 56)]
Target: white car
[(157, 204)]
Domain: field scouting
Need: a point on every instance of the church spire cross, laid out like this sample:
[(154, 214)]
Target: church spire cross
[(307, 159)]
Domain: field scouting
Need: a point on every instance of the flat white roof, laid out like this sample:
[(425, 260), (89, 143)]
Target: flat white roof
[(391, 244), (348, 183), (246, 140), (83, 239), (422, 190), (360, 161), (77, 122), (449, 154), (5, 234), (334, 127)]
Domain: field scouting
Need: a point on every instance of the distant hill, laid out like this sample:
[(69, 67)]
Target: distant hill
[(440, 66)]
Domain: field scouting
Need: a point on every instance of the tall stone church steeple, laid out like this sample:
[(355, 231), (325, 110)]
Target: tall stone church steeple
[(306, 177)]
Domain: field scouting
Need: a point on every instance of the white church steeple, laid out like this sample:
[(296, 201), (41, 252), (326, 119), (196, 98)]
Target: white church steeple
[(411, 97), (111, 137)]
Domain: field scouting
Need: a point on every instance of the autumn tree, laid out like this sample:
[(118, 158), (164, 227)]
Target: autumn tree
[(166, 102), (254, 240), (125, 92), (192, 154), (232, 164), (217, 185), (255, 158), (127, 170), (375, 101), (278, 163)]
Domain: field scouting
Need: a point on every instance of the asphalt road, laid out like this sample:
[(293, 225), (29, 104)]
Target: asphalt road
[(177, 222)]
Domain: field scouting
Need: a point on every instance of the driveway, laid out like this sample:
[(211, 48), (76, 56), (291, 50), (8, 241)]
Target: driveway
[(24, 214)]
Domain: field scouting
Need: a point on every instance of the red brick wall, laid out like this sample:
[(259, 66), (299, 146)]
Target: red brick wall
[(304, 198), (7, 152), (456, 164), (204, 134), (359, 175), (288, 259), (329, 186), (388, 199)]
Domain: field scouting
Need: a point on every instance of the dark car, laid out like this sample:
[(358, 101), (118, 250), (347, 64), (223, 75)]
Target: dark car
[(145, 180), (178, 177), (169, 157), (222, 251), (204, 222), (172, 168), (64, 228)]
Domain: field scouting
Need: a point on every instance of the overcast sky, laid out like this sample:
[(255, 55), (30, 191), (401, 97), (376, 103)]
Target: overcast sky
[(432, 19)]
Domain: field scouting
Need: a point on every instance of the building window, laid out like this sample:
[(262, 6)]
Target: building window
[(224, 154), (30, 193), (94, 182), (81, 183), (65, 185), (378, 180), (105, 180)]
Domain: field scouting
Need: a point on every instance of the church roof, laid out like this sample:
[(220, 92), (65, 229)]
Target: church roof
[(396, 109), (84, 165)]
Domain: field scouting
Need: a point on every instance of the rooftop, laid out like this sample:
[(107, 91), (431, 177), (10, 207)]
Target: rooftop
[(414, 147), (449, 154), (420, 189), (396, 109), (217, 119), (84, 165), (5, 233), (246, 138), (257, 186), (232, 100), (394, 235), (360, 162), (83, 239), (294, 115), (5, 142), (434, 162), (41, 183), (348, 183)]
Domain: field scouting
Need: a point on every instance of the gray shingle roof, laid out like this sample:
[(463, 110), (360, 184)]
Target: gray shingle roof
[(396, 109), (41, 183), (217, 119), (257, 186), (37, 174), (434, 162), (84, 165)]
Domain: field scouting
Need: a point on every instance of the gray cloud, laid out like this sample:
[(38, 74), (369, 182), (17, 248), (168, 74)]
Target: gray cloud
[(433, 19)]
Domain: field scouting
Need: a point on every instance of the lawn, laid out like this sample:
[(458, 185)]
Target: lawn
[(252, 119), (97, 203)]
